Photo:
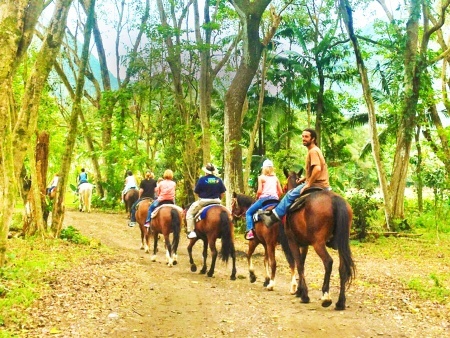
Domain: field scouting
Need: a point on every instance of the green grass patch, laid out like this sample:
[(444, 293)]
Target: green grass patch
[(27, 273), (431, 288)]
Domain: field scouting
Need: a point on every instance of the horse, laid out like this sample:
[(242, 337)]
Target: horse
[(291, 179), (268, 237), (167, 219), (129, 198), (216, 222), (85, 193), (324, 219)]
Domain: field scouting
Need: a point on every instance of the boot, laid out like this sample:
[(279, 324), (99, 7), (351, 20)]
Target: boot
[(269, 218)]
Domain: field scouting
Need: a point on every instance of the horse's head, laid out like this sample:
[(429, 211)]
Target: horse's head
[(239, 204), (292, 178)]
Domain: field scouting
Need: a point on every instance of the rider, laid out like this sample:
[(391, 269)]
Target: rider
[(269, 188), (165, 191), (82, 178), (210, 189), (316, 176), (146, 191), (53, 184), (130, 183)]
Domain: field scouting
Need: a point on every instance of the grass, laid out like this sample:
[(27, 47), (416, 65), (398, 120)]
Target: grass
[(27, 273)]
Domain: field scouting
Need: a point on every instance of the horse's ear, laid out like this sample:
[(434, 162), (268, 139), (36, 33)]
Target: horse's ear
[(286, 172), (300, 172)]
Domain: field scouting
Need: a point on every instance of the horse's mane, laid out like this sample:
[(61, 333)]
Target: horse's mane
[(244, 200)]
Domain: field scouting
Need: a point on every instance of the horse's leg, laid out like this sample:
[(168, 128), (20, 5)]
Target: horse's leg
[(155, 245), (266, 267), (251, 249), (270, 249), (189, 249), (205, 256), (340, 305), (233, 270), (321, 250), (300, 258), (212, 247), (168, 250), (142, 237)]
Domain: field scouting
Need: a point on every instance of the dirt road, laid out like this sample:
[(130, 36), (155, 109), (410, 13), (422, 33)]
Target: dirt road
[(124, 294)]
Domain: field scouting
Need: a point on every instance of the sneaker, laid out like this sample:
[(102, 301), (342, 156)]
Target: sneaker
[(191, 235), (249, 235), (147, 224), (131, 224)]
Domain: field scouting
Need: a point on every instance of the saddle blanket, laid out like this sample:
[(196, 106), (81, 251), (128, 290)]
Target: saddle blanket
[(202, 212), (155, 212)]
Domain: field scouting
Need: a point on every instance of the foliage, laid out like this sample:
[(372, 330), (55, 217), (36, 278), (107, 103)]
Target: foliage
[(364, 211), (73, 235)]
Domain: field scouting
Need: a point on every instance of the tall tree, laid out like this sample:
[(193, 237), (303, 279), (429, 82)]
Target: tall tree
[(250, 15), (17, 23)]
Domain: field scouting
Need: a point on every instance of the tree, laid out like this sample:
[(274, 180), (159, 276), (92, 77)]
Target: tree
[(17, 24), (250, 15)]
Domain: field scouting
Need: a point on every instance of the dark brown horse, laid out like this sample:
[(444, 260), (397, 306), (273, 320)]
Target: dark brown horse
[(323, 220), (130, 197), (268, 237), (167, 221), (291, 179), (216, 223)]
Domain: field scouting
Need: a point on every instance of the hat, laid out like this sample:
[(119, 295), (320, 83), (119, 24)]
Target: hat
[(267, 163), (209, 169)]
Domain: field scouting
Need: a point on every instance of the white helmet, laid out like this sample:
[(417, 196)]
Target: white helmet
[(267, 163)]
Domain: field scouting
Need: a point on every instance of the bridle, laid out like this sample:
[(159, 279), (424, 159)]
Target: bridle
[(234, 206)]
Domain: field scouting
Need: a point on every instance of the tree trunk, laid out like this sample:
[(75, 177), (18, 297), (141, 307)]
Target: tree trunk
[(59, 207), (347, 15), (250, 14)]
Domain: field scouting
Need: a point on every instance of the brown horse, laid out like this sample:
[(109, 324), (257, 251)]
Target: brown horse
[(130, 197), (141, 215), (291, 179), (268, 237), (167, 220), (323, 220), (216, 223)]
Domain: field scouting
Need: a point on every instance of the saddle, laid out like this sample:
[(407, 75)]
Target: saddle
[(165, 204), (143, 199), (300, 201), (266, 204), (201, 214)]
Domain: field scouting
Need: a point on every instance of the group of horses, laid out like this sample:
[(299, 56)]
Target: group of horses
[(323, 220)]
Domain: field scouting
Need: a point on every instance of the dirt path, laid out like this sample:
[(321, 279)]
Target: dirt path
[(126, 295)]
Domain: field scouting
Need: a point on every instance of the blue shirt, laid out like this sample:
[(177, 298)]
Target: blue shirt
[(209, 186), (82, 177)]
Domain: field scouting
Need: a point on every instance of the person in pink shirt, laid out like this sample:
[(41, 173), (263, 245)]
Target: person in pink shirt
[(165, 191), (269, 188)]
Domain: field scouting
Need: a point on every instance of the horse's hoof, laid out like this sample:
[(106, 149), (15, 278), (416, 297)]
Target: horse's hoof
[(193, 268), (175, 262), (233, 277), (210, 274), (252, 279), (339, 306), (326, 302), (305, 300)]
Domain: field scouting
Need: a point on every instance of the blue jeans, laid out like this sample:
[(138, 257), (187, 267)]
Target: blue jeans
[(282, 207), (252, 209), (151, 208), (133, 210)]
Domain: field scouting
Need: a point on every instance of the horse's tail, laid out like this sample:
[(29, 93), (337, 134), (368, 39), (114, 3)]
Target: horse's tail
[(227, 248), (176, 221), (282, 239), (341, 238)]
